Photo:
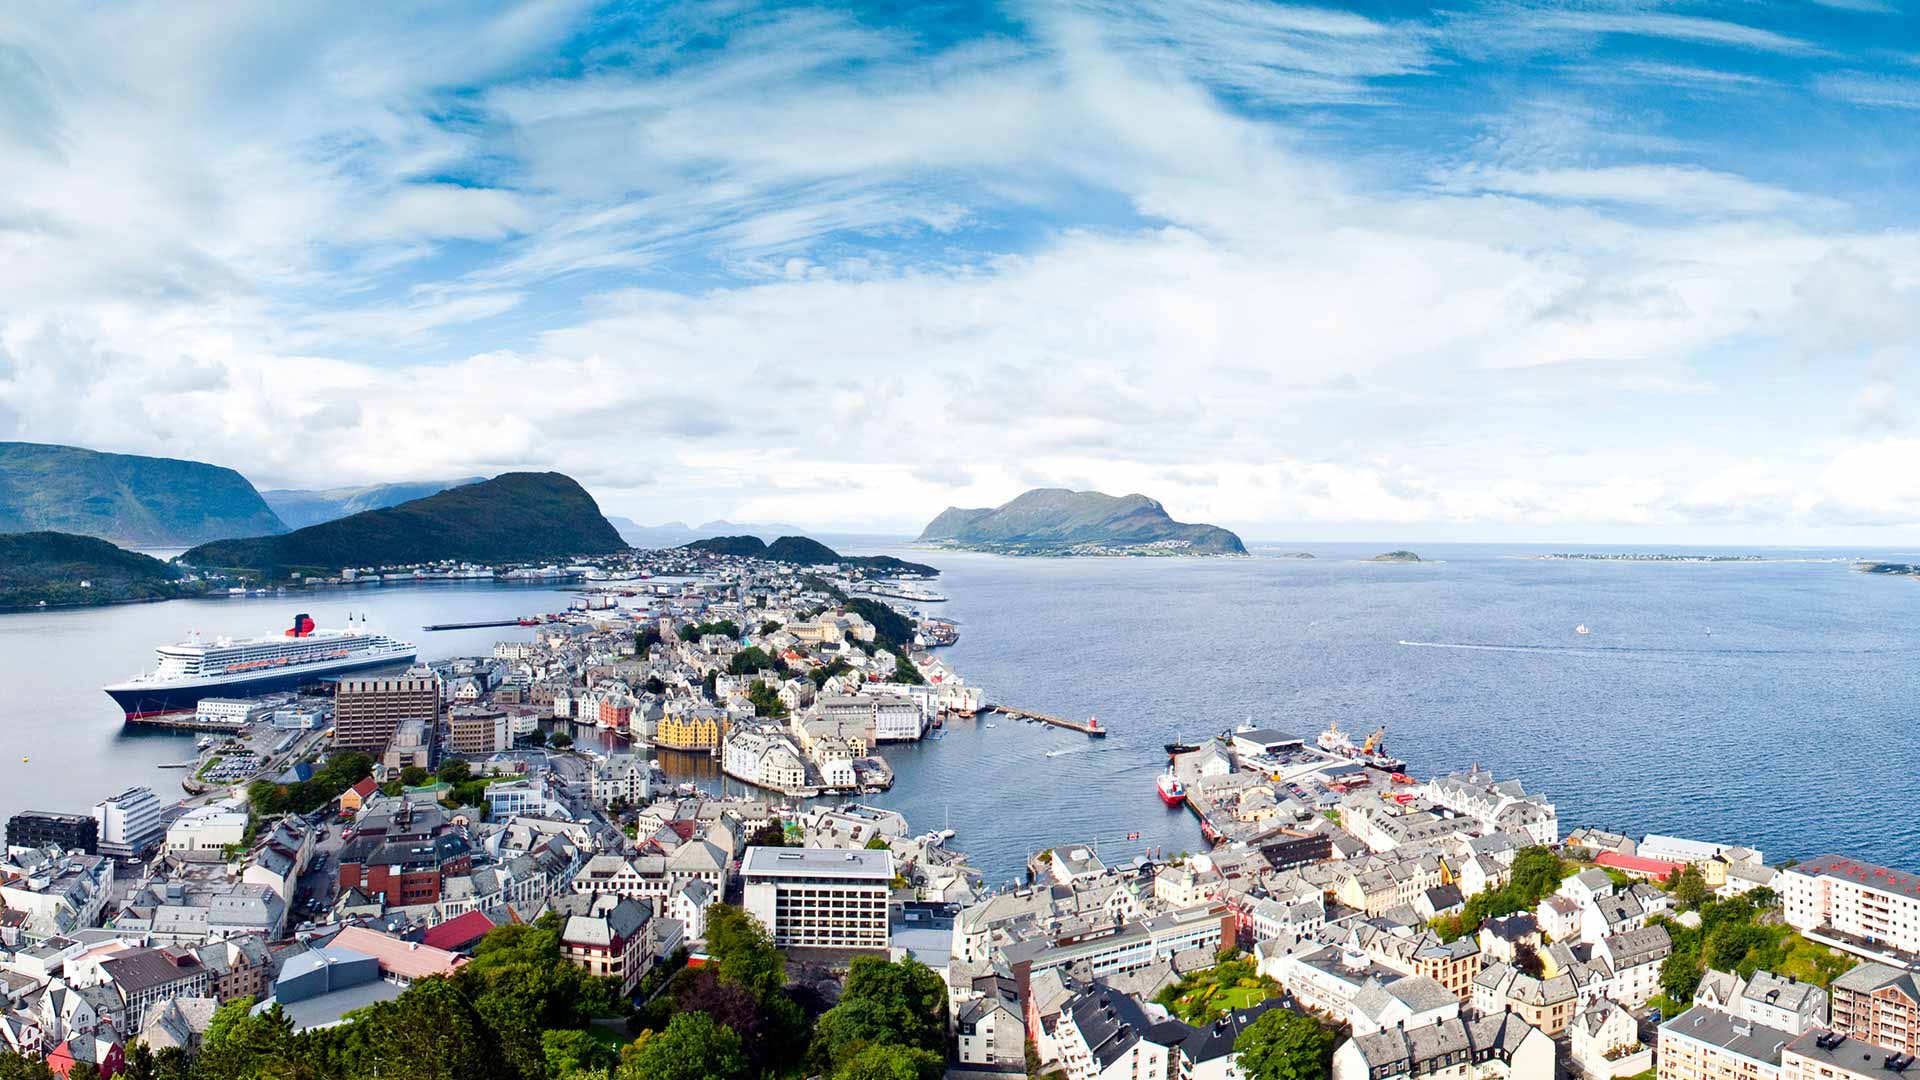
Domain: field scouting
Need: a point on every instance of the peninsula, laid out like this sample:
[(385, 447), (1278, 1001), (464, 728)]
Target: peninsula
[(54, 569), (1055, 521), (514, 516)]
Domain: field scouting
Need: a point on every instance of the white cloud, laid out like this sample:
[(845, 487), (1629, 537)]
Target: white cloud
[(1256, 329)]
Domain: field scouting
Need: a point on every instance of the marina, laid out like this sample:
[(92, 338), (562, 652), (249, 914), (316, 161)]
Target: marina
[(1091, 726)]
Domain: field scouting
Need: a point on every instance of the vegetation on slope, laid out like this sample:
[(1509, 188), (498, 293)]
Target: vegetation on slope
[(61, 570), (131, 500), (300, 508), (802, 551), (512, 517), (1051, 520)]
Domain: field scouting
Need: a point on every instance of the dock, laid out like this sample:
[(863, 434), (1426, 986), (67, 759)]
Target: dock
[(472, 625), (1090, 726)]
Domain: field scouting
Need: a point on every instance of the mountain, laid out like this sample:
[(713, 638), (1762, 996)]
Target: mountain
[(133, 501), (800, 551), (514, 517), (61, 569), (1055, 521), (300, 508), (679, 533)]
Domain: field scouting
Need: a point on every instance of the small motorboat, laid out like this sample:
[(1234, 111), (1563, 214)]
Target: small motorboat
[(1582, 630)]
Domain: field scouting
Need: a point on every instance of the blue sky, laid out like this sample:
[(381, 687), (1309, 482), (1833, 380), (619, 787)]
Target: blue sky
[(1611, 270)]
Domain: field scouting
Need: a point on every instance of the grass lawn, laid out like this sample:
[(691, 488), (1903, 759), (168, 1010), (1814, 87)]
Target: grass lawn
[(1206, 994)]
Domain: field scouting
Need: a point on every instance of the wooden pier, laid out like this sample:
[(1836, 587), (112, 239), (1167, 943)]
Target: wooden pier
[(1090, 726)]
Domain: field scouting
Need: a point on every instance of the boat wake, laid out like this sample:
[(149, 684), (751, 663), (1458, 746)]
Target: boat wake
[(1627, 650)]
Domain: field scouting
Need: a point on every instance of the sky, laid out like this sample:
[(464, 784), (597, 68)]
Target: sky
[(1610, 270)]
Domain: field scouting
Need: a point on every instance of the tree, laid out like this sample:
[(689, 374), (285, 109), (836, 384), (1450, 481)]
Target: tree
[(267, 798), (751, 659), (560, 740), (19, 1067), (766, 700), (1689, 887), (1284, 1045), (239, 1046), (893, 1063), (876, 842), (430, 1032), (413, 776), (572, 1051), (694, 1046), (772, 834), (884, 1003), (455, 771), (742, 953)]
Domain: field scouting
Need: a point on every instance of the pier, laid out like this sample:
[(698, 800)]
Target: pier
[(472, 625), (1090, 726)]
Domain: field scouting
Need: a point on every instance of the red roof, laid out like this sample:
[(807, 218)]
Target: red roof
[(365, 787), (1635, 864), (456, 934)]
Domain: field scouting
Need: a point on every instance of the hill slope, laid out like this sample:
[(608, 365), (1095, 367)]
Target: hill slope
[(512, 517), (49, 567), (1054, 521), (131, 500), (801, 551), (300, 508)]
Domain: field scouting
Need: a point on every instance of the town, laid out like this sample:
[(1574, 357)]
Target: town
[(350, 845)]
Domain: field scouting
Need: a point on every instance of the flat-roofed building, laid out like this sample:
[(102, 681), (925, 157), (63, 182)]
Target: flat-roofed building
[(1707, 1044), (1828, 1055), (44, 828), (367, 711), (820, 897), (1873, 911)]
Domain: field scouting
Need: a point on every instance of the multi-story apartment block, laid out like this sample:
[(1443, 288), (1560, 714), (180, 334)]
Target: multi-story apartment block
[(1827, 1055), (1870, 910), (1879, 1004), (1706, 1044)]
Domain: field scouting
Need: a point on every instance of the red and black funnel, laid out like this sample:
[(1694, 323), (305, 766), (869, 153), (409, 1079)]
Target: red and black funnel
[(302, 625)]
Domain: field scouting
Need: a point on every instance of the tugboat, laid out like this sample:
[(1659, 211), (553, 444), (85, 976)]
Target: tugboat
[(1174, 749), (1172, 791)]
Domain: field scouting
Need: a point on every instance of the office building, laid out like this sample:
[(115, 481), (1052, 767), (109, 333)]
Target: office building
[(39, 828), (820, 897), (473, 729), (367, 711), (129, 823)]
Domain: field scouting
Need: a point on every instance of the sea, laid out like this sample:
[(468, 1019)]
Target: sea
[(1768, 702)]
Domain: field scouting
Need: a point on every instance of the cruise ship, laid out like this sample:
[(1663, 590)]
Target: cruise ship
[(234, 667)]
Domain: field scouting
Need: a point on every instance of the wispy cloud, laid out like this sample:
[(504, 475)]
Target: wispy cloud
[(1875, 89)]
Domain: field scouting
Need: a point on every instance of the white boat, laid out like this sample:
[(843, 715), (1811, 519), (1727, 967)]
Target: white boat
[(1582, 630)]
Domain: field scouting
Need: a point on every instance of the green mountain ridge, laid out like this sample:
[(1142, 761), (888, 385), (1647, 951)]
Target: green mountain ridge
[(1056, 520), (803, 551), (300, 507), (131, 500), (512, 517), (64, 570)]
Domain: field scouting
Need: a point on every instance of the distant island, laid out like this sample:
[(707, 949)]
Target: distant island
[(1292, 555), (131, 500), (1893, 569), (1398, 556), (801, 551), (1055, 521), (1642, 556), (54, 569), (679, 533), (299, 508), (512, 517)]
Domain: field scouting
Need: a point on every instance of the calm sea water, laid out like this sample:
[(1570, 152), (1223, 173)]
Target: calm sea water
[(63, 744), (1770, 703)]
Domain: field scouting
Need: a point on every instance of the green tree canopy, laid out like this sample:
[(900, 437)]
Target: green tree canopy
[(1284, 1045), (893, 1063), (693, 1047)]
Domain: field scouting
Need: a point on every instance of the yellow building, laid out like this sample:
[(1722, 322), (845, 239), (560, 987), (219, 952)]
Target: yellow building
[(695, 729)]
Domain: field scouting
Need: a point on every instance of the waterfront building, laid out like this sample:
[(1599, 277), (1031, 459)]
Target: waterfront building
[(1498, 805), (819, 897), (129, 823), (1869, 910), (43, 828), (1879, 1004), (685, 726), (367, 711), (230, 713), (1500, 1046)]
